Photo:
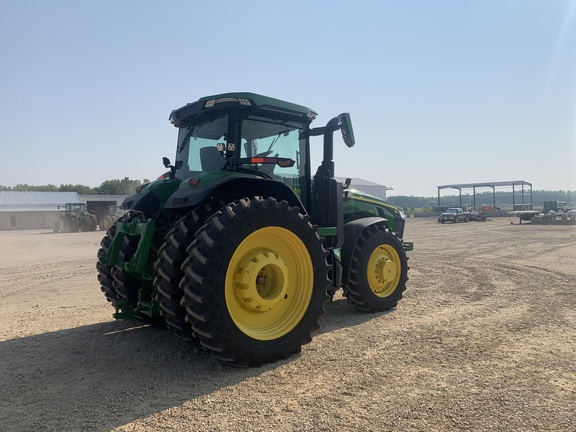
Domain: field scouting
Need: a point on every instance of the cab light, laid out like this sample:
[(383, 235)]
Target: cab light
[(227, 99), (194, 182), (242, 101)]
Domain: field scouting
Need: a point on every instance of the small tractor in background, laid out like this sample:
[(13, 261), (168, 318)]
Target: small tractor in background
[(75, 218), (238, 246)]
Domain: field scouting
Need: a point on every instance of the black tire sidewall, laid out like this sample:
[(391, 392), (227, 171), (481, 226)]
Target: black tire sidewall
[(372, 240), (226, 242)]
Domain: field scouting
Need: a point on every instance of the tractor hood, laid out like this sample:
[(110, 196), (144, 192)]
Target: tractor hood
[(358, 204), (356, 195)]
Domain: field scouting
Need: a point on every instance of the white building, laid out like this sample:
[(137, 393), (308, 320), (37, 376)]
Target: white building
[(36, 210), (371, 188)]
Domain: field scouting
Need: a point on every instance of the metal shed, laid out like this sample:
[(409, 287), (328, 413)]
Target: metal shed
[(524, 187), (31, 210)]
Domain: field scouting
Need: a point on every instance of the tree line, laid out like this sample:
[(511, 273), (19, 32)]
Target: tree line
[(123, 186)]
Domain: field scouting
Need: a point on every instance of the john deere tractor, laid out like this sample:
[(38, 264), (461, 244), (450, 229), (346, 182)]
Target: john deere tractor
[(238, 246), (75, 218)]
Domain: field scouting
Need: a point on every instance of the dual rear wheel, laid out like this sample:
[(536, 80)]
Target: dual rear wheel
[(253, 281)]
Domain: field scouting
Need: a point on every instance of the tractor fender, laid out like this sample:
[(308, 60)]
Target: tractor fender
[(235, 188), (148, 203), (150, 196), (352, 232)]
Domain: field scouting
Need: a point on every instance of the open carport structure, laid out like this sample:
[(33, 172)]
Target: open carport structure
[(519, 187)]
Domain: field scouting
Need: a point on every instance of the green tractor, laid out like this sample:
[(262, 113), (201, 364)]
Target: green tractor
[(75, 218), (238, 246)]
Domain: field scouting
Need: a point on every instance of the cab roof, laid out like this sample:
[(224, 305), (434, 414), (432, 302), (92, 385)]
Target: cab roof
[(245, 100)]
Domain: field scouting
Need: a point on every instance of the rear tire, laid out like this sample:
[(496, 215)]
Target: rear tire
[(67, 225), (255, 282), (84, 223), (168, 272), (378, 271), (93, 222)]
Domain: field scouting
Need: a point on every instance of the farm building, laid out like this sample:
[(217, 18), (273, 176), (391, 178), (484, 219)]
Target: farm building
[(32, 210), (37, 210), (375, 189)]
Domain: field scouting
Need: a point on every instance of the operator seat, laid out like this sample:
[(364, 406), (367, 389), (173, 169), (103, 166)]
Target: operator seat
[(211, 159)]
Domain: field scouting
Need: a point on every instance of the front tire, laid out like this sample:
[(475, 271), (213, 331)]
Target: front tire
[(105, 271), (378, 271), (128, 286), (115, 282), (255, 282)]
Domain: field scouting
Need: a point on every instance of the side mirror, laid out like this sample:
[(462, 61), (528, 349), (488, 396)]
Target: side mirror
[(346, 128), (166, 162)]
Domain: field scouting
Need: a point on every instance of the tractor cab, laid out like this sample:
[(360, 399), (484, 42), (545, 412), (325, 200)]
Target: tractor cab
[(240, 137)]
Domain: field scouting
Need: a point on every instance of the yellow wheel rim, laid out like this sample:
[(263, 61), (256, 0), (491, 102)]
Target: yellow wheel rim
[(62, 225), (269, 283), (384, 268)]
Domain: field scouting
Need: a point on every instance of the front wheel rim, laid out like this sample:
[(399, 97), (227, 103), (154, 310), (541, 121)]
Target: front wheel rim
[(269, 283), (384, 270)]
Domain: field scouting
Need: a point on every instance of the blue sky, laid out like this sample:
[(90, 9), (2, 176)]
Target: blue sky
[(440, 91)]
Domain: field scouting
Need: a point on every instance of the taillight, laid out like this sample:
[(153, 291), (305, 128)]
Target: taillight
[(194, 182)]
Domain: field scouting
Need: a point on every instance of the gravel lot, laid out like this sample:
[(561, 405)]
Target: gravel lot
[(483, 340)]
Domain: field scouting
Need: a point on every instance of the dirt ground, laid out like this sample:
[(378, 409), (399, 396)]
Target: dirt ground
[(484, 339)]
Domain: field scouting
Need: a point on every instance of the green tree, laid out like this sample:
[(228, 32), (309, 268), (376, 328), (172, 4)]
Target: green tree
[(125, 186), (81, 189), (27, 187), (118, 187)]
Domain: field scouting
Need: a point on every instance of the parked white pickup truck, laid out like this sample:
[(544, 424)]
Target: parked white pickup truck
[(454, 214)]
